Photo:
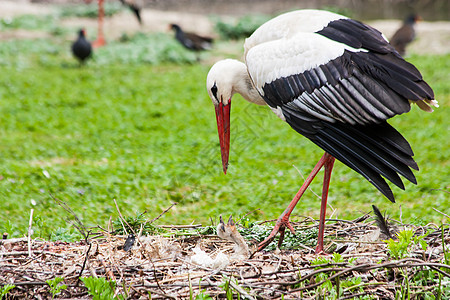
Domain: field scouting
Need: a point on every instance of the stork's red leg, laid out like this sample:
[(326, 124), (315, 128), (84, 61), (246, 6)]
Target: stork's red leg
[(283, 219), (323, 206)]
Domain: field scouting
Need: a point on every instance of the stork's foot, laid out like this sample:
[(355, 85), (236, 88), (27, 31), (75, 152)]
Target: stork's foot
[(280, 227)]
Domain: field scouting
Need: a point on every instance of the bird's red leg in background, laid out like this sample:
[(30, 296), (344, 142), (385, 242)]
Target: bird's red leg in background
[(283, 221), (100, 41)]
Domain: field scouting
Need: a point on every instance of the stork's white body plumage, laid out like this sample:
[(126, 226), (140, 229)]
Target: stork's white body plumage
[(334, 80), (289, 44)]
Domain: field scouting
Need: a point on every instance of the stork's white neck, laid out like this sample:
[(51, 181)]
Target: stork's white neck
[(243, 85)]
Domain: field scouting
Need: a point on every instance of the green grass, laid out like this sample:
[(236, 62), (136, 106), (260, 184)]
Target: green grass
[(29, 22), (145, 135)]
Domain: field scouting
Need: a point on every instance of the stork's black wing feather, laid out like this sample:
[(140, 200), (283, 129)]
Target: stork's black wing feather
[(357, 35), (371, 155), (381, 59)]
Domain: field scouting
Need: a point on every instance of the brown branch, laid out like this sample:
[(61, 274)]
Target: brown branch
[(18, 253), (84, 264), (80, 227), (107, 270), (181, 226), (352, 296), (365, 267), (29, 232), (161, 214), (122, 220)]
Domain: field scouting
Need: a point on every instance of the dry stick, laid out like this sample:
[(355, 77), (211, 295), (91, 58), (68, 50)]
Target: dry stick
[(325, 270), (362, 242), (368, 267), (27, 283), (157, 282), (277, 268), (84, 264), (330, 278), (18, 253), (337, 220), (161, 214), (202, 267), (29, 232), (80, 227), (364, 285), (255, 276), (122, 219), (181, 226), (306, 268), (250, 212), (161, 294), (401, 214), (16, 240), (362, 218), (441, 212), (272, 289), (240, 290), (92, 270), (107, 269), (441, 190), (436, 266), (352, 296), (154, 219)]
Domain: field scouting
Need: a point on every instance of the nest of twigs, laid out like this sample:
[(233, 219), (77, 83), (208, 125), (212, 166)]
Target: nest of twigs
[(161, 266)]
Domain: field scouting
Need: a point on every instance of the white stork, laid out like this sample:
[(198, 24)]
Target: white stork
[(334, 80)]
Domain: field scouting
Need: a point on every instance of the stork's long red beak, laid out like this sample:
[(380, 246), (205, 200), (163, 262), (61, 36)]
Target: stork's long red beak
[(223, 127)]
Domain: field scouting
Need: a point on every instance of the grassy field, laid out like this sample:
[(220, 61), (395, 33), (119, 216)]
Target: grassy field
[(140, 128)]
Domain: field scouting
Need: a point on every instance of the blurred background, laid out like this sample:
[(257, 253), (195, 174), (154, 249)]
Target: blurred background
[(216, 18)]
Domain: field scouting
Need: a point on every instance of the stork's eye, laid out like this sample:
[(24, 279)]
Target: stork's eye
[(214, 91)]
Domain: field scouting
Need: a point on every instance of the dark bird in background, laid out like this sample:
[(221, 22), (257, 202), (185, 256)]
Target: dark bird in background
[(82, 48), (191, 40), (405, 34), (135, 6)]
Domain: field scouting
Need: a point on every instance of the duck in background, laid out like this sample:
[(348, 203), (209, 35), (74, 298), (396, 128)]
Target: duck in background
[(405, 34), (191, 40), (82, 48)]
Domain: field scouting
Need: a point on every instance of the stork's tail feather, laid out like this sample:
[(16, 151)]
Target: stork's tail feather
[(374, 151)]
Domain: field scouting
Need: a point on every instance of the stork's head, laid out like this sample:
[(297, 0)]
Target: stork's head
[(220, 89), (226, 78)]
